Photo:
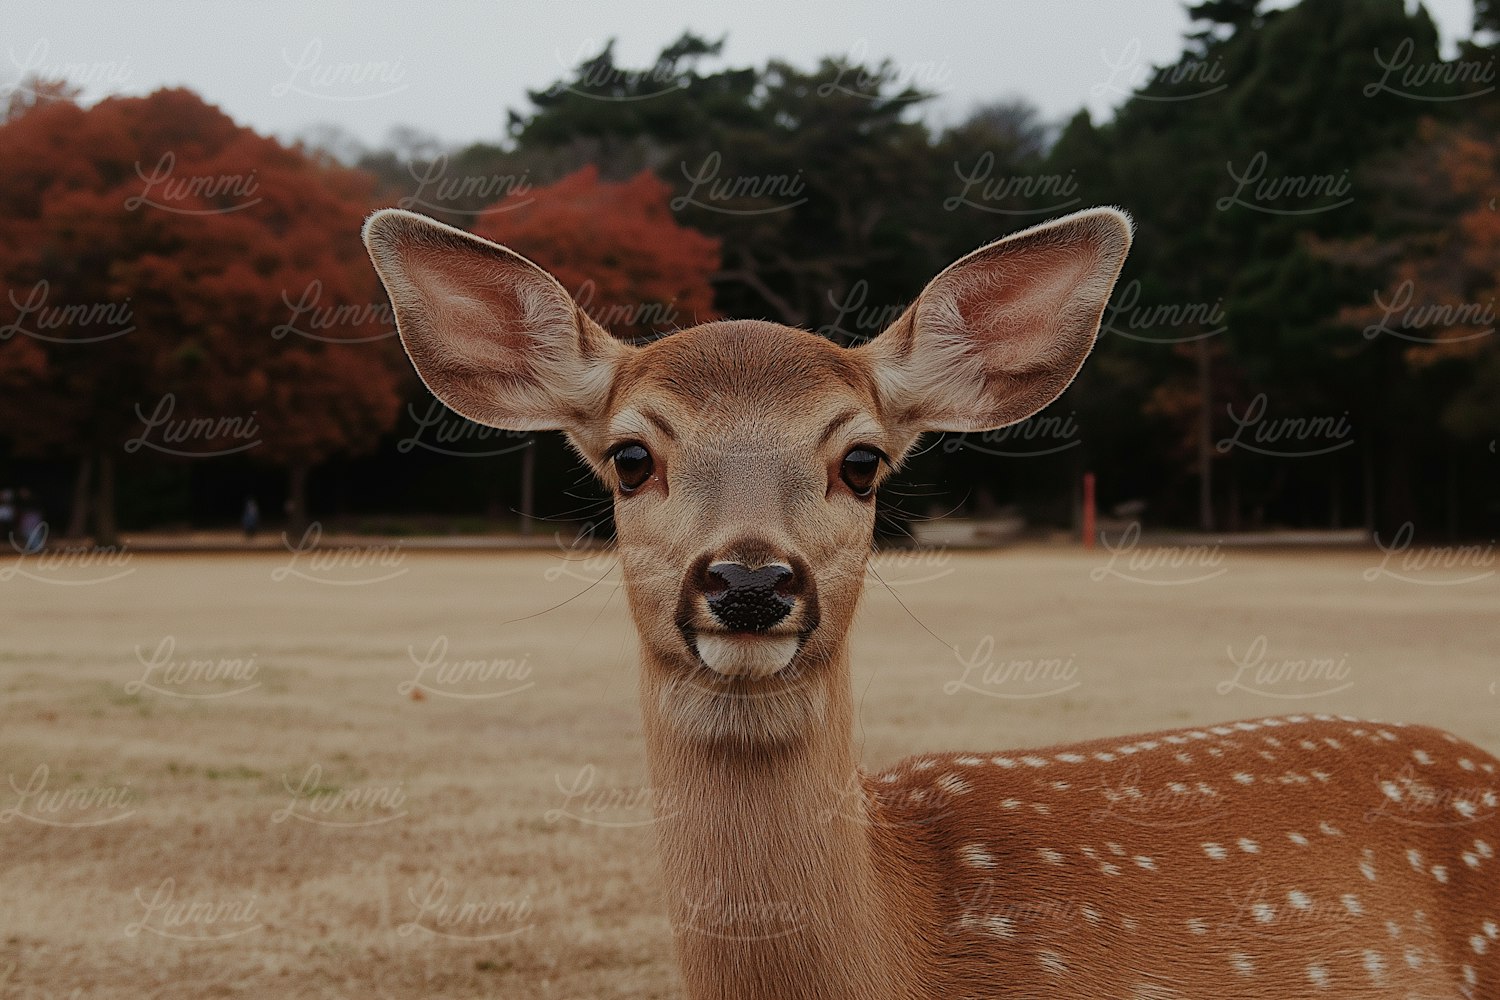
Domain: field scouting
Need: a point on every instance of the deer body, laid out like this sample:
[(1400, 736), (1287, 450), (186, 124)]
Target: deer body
[(1305, 856)]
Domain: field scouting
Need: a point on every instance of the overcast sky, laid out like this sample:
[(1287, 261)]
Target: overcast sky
[(453, 69)]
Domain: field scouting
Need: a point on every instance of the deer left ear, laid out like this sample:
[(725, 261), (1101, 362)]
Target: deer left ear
[(1001, 333)]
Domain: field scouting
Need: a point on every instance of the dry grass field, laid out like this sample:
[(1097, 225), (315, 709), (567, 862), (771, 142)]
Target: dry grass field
[(420, 774)]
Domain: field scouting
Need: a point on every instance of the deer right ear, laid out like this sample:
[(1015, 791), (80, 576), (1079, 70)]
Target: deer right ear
[(494, 337)]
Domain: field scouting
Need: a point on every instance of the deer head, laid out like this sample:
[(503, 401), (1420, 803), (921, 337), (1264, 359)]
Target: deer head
[(744, 456)]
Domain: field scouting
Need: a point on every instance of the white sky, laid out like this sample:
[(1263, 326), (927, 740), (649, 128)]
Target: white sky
[(453, 69)]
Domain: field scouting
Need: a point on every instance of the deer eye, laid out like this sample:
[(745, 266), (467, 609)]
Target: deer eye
[(633, 465), (859, 469)]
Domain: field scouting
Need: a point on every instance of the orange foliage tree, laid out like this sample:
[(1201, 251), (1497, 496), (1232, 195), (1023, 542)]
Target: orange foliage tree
[(615, 247), (177, 283)]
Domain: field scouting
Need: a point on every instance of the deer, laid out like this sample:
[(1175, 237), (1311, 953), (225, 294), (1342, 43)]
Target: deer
[(1293, 856)]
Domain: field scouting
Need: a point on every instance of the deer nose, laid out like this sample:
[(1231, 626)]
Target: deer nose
[(749, 600)]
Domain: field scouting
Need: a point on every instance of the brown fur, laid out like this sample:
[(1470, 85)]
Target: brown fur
[(1214, 862)]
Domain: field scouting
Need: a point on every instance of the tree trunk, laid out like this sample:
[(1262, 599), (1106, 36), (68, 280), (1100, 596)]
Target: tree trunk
[(296, 499), (78, 514), (528, 485), (106, 531), (1205, 441)]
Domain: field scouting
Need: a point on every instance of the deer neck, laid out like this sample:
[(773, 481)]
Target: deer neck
[(776, 883)]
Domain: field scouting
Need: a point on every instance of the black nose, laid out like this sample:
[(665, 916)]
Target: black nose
[(745, 599)]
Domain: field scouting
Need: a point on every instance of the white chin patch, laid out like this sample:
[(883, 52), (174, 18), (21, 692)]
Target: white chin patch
[(752, 657)]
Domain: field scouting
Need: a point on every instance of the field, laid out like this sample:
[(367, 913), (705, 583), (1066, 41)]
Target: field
[(418, 774)]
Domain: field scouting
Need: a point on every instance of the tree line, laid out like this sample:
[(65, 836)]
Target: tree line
[(1304, 336)]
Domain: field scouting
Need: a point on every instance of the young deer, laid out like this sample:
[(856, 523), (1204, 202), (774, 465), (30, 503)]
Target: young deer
[(1290, 857)]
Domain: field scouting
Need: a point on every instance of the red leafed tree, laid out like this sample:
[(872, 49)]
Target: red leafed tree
[(615, 247), (176, 278)]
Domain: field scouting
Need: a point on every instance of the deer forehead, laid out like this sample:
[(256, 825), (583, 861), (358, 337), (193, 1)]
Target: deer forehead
[(746, 385)]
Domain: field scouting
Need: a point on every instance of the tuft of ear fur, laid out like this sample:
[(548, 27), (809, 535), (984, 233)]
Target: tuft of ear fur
[(494, 336), (1000, 333)]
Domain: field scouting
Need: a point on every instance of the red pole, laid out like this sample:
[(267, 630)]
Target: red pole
[(1088, 510)]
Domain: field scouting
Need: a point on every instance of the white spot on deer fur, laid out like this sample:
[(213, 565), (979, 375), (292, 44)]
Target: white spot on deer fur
[(1089, 853), (967, 761), (1109, 869), (1197, 925), (1178, 787), (1389, 789), (1197, 734), (1104, 758), (1332, 743), (1483, 849), (1450, 737), (1479, 944), (1299, 899), (1148, 744), (1041, 808), (1296, 718), (1413, 956), (1141, 861), (1127, 749), (1207, 789), (1244, 778), (1466, 763), (1248, 846), (1464, 808), (1487, 768), (1242, 963), (1114, 848), (1308, 745), (1090, 914), (1421, 756), (976, 856), (1215, 752), (1215, 851), (1318, 976), (1183, 758), (1000, 927), (1327, 829), (954, 785), (924, 765), (1471, 859), (918, 795), (1011, 803), (1375, 966), (1414, 858), (1050, 856), (1267, 755), (1175, 740), (1322, 776), (1032, 761), (1387, 735), (1393, 929), (1351, 903), (1440, 873), (1247, 727), (1221, 731), (889, 779), (1061, 786), (1297, 839), (1071, 758), (1052, 962), (1129, 924), (1272, 741), (1367, 865), (1264, 912), (1272, 723), (1470, 976), (1003, 761), (1490, 928)]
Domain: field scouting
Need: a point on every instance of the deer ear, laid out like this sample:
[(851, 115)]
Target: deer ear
[(495, 337), (1001, 333)]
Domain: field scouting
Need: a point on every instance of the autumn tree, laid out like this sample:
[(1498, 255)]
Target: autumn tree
[(179, 284)]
